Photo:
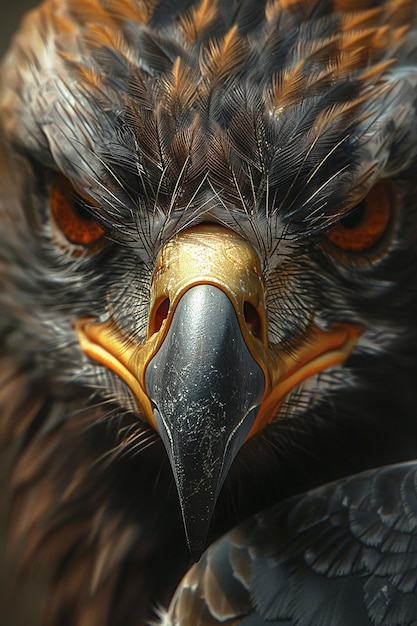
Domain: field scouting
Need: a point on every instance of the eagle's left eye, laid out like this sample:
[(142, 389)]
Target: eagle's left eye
[(367, 225), (71, 216)]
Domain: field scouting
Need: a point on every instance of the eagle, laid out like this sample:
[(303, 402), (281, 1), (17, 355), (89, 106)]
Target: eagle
[(208, 304)]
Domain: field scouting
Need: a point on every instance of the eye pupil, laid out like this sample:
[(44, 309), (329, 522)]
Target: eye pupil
[(80, 210), (355, 217)]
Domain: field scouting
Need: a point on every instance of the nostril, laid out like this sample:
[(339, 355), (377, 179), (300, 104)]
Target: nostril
[(161, 314), (252, 319)]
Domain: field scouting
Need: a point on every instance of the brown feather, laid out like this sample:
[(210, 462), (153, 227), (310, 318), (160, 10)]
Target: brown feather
[(198, 20), (224, 58)]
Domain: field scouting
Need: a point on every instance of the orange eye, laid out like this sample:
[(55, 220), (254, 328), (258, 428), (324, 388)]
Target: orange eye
[(365, 227), (71, 216)]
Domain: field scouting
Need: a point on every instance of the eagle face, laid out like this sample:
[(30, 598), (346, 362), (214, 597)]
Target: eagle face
[(209, 241)]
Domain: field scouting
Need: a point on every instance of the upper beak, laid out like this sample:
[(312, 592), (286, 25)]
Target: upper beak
[(206, 390), (207, 378)]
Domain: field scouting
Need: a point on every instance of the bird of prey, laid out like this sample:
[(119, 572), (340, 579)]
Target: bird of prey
[(207, 309)]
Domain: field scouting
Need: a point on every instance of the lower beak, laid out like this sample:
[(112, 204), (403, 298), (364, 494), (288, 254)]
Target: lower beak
[(206, 378)]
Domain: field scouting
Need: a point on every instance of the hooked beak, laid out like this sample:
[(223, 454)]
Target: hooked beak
[(206, 378), (206, 390)]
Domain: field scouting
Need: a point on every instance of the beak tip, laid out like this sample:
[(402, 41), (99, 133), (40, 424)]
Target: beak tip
[(196, 534), (196, 550)]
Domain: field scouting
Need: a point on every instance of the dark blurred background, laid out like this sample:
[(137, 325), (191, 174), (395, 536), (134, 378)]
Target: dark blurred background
[(19, 604), (10, 14)]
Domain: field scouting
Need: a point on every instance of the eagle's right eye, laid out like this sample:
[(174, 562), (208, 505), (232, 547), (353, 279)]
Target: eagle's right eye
[(71, 216)]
